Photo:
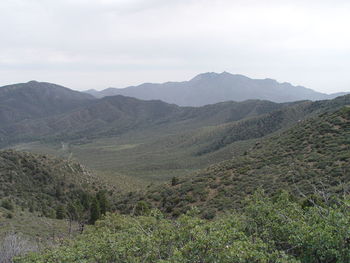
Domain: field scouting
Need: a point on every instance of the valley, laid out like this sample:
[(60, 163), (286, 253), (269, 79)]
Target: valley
[(148, 131), (70, 167)]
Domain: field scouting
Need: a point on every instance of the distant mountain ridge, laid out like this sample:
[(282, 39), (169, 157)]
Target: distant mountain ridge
[(35, 99), (115, 115), (210, 88), (38, 110)]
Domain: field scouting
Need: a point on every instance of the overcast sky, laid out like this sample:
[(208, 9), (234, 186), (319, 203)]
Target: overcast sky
[(85, 44)]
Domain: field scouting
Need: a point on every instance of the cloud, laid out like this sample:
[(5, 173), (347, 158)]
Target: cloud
[(125, 42)]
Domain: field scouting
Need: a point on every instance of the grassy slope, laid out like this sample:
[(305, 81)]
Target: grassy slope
[(40, 229), (314, 153)]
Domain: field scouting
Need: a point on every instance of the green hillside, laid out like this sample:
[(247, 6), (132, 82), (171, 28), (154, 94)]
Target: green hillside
[(118, 115), (44, 200), (192, 139), (312, 155), (41, 184), (136, 141)]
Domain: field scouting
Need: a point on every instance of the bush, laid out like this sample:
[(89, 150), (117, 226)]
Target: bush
[(7, 205), (9, 216), (277, 229)]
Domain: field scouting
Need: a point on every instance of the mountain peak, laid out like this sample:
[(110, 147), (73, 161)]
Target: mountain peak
[(204, 76), (214, 75)]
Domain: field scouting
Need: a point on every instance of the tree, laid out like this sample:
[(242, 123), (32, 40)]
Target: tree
[(174, 181), (103, 202), (61, 212), (95, 211)]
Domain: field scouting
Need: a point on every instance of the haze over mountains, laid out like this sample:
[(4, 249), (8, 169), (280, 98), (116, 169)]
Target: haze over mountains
[(209, 88), (36, 109), (127, 155), (32, 110), (141, 139), (34, 99)]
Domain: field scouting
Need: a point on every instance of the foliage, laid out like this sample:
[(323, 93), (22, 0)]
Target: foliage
[(268, 230), (95, 211), (7, 204), (47, 186), (312, 155)]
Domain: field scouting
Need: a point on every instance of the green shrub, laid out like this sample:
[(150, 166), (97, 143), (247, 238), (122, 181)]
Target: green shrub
[(268, 230), (7, 204)]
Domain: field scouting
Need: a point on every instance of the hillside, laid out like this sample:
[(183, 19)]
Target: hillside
[(41, 184), (312, 155), (154, 140), (112, 116), (192, 139), (34, 99), (210, 88)]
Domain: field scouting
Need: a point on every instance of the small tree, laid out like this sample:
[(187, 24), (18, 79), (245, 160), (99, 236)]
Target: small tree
[(95, 211), (174, 181), (61, 212), (103, 202)]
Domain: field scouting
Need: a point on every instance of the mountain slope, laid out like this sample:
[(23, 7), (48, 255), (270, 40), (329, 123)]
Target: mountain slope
[(116, 115), (154, 148), (198, 148), (313, 154), (34, 99), (42, 183), (209, 88)]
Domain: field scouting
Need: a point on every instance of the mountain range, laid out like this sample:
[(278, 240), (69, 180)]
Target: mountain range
[(35, 110), (143, 140), (127, 155), (210, 88)]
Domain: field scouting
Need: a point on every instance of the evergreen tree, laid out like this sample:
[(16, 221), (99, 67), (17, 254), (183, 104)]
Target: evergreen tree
[(60, 212), (95, 211), (103, 202), (174, 181)]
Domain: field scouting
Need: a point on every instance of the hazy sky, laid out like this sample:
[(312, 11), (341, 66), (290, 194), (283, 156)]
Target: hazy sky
[(85, 44)]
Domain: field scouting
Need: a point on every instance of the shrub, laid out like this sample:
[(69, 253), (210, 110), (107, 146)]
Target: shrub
[(277, 229), (7, 205)]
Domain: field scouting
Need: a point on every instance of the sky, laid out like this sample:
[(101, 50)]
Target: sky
[(96, 44)]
